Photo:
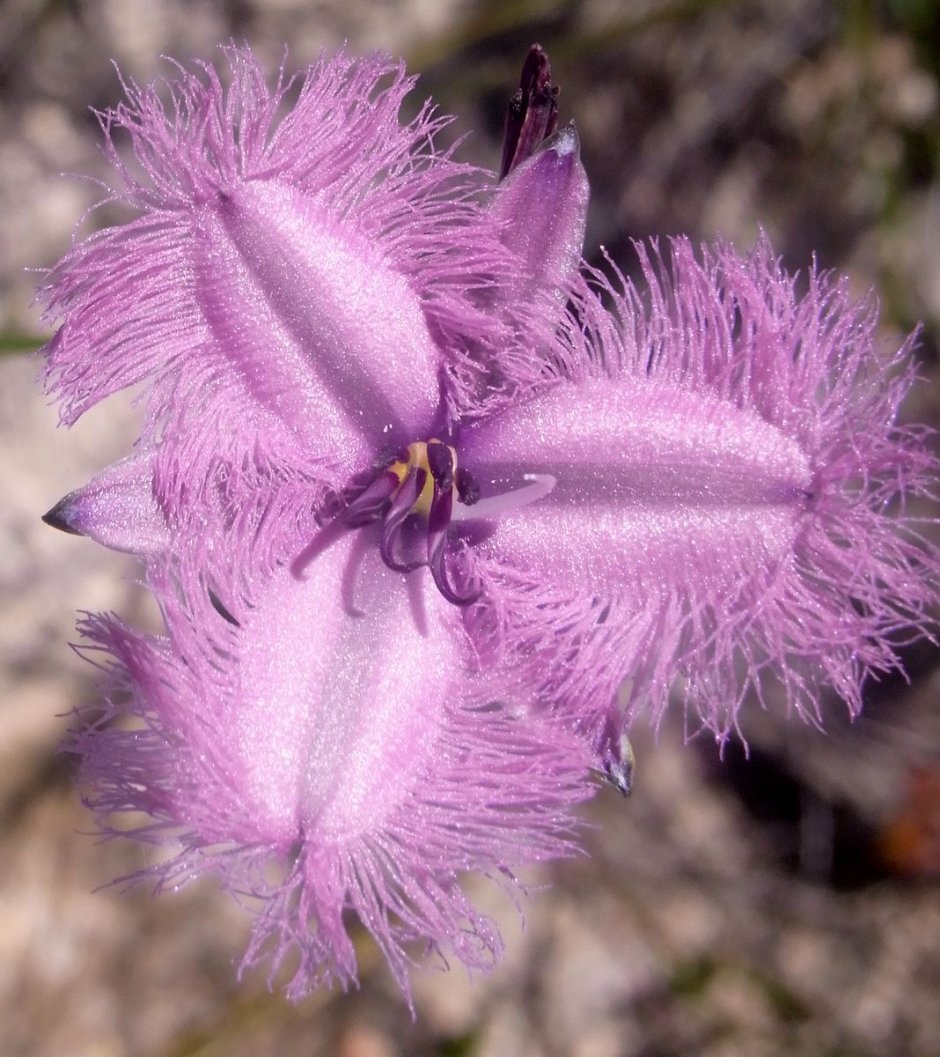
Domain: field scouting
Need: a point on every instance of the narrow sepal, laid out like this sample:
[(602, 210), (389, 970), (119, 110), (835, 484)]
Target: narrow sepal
[(60, 517), (540, 211), (116, 508)]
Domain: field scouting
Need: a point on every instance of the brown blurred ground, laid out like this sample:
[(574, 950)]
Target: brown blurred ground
[(783, 905)]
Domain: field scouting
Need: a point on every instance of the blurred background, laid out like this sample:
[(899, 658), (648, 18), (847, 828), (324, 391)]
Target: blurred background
[(785, 902)]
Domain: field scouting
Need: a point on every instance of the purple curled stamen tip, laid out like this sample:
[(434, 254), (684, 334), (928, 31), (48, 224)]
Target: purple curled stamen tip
[(438, 566), (371, 503), (438, 523), (398, 510)]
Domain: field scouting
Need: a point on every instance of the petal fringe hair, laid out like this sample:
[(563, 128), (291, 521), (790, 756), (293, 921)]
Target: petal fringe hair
[(128, 300), (496, 793), (862, 574)]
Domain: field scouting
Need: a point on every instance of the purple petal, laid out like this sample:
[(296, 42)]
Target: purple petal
[(538, 213), (357, 701), (732, 498), (323, 332), (321, 748), (650, 480), (296, 272)]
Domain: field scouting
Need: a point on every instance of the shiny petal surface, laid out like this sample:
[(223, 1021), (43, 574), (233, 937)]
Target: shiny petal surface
[(324, 333), (326, 701), (322, 748), (300, 266), (651, 481), (733, 500)]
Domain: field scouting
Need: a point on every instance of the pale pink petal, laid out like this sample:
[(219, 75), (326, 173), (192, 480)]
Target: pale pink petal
[(323, 749), (651, 482), (733, 499), (295, 279)]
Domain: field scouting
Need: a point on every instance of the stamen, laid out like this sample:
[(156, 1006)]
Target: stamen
[(399, 509), (371, 504), (438, 568), (442, 507), (441, 464), (538, 486), (420, 484), (438, 523)]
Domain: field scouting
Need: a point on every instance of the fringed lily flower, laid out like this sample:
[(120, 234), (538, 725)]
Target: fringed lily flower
[(416, 497)]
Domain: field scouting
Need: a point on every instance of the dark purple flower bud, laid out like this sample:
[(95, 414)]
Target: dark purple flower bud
[(533, 111)]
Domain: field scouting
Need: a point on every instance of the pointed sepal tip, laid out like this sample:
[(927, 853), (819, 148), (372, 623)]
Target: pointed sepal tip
[(59, 518)]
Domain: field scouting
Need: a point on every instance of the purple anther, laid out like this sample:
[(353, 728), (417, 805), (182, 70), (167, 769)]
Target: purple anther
[(533, 111), (442, 506), (441, 464), (468, 488)]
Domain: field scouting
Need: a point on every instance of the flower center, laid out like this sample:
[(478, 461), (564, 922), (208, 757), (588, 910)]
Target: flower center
[(413, 497)]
